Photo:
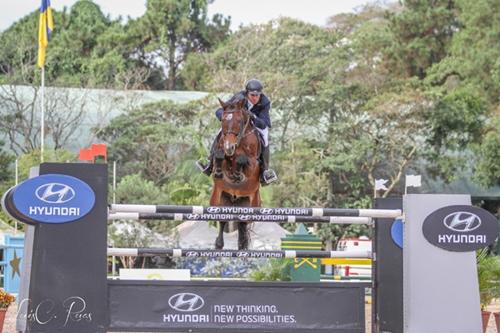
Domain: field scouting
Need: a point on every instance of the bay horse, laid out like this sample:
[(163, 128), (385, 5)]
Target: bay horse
[(236, 166)]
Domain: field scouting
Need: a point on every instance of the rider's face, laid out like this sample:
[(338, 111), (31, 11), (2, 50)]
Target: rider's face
[(253, 97)]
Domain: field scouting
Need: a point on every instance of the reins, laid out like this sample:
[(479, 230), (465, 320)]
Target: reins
[(241, 133)]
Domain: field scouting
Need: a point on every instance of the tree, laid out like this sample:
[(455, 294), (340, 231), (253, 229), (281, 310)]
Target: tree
[(472, 60), (6, 160), (20, 116), (487, 167), (18, 53), (75, 38), (422, 33), (172, 29), (153, 140)]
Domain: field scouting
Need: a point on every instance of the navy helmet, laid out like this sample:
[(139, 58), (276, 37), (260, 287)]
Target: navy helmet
[(254, 85)]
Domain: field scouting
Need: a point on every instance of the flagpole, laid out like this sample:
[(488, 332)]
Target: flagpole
[(42, 121)]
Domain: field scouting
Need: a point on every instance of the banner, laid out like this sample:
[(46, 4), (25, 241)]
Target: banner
[(237, 306)]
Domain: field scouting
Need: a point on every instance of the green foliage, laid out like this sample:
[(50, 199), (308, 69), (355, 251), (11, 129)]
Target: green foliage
[(487, 168), (488, 270), (456, 123), (172, 29), (134, 189), (155, 139), (88, 49), (6, 161), (422, 34), (457, 119), (272, 270), (32, 159)]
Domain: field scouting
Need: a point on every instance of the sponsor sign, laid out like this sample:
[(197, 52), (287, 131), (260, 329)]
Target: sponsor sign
[(53, 198), (233, 306), (461, 228), (258, 211)]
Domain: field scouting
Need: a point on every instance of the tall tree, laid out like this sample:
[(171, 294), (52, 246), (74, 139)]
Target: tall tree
[(422, 34), (172, 29)]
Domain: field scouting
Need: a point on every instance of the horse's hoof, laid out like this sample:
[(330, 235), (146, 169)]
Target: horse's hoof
[(219, 245)]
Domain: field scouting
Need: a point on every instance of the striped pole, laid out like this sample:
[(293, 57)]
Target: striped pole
[(241, 218), (374, 213), (151, 252)]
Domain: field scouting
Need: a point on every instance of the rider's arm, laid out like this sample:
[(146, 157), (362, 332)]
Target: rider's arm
[(263, 120), (258, 122)]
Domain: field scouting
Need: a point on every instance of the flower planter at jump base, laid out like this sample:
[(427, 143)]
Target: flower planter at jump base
[(2, 318)]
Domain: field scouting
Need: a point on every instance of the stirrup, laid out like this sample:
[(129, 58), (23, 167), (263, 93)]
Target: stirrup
[(269, 176), (206, 169)]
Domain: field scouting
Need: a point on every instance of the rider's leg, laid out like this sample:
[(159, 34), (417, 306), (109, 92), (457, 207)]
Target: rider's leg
[(268, 176), (208, 167)]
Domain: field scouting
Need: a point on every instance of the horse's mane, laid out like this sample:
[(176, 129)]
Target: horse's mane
[(233, 101)]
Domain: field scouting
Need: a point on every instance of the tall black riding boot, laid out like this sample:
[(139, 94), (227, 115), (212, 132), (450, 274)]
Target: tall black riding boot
[(208, 167), (268, 176)]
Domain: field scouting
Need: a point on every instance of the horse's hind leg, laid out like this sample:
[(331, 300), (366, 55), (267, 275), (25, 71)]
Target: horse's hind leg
[(219, 241)]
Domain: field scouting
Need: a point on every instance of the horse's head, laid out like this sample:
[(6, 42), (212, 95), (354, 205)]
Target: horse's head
[(235, 120)]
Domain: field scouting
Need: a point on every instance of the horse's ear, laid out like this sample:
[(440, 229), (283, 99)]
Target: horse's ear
[(222, 104), (241, 104)]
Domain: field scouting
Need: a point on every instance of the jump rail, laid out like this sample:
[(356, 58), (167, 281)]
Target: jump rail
[(241, 218), (374, 213), (151, 252)]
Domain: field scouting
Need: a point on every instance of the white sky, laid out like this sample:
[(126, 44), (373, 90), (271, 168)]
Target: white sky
[(241, 11)]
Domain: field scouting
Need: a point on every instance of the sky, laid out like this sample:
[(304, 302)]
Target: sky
[(242, 12)]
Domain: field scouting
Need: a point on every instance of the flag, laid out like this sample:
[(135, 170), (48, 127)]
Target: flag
[(45, 27), (380, 184), (413, 180)]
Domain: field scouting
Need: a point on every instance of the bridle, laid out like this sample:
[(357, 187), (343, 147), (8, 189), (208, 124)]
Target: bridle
[(242, 128)]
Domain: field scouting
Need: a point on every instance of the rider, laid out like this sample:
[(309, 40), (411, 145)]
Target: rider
[(258, 104)]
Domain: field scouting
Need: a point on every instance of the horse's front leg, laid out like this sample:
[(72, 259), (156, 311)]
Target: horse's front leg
[(243, 236), (219, 241), (241, 162), (219, 157)]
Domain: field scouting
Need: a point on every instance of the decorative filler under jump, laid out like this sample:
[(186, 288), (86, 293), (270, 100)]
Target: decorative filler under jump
[(241, 218), (318, 212), (152, 252)]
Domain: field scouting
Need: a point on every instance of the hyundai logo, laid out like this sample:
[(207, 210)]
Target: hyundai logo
[(462, 221), (266, 211), (213, 210), (243, 217), (186, 302), (243, 254), (193, 216), (55, 193), (192, 254)]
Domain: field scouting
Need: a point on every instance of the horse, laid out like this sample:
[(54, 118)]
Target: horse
[(236, 166)]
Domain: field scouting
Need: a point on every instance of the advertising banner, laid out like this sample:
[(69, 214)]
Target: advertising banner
[(237, 307)]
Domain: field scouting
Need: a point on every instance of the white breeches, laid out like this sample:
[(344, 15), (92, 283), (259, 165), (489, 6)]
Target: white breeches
[(265, 135)]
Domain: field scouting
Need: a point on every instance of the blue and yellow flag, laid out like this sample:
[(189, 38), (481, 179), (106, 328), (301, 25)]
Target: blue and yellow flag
[(45, 27)]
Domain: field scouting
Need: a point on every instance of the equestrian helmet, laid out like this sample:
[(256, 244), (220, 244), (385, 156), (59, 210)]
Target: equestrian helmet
[(254, 85)]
